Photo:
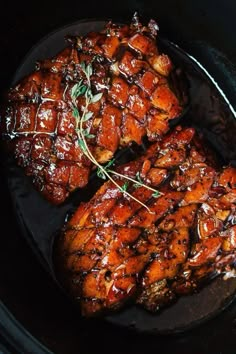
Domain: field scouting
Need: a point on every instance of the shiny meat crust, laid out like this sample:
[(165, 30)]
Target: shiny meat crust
[(137, 101), (113, 250)]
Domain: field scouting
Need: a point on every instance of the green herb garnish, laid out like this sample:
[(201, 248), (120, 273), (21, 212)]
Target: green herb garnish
[(83, 87)]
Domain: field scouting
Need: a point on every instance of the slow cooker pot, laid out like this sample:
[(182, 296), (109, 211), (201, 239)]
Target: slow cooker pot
[(34, 316)]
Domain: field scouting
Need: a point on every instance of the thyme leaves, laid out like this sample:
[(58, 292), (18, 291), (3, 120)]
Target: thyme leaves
[(83, 88)]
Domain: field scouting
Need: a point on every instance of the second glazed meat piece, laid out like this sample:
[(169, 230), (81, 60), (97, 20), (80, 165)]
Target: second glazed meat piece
[(111, 239), (39, 119), (113, 250)]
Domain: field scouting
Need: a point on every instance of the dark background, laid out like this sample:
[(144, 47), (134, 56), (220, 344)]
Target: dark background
[(25, 288)]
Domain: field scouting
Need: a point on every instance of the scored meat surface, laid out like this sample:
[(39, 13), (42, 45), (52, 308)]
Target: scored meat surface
[(137, 101), (114, 250)]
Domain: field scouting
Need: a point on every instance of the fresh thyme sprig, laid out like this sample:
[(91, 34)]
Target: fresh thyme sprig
[(103, 172), (137, 183)]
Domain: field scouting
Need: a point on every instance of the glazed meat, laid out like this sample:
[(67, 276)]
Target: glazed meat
[(114, 250), (136, 100)]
